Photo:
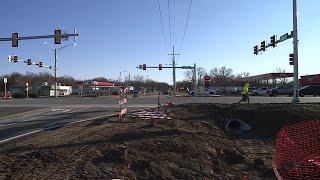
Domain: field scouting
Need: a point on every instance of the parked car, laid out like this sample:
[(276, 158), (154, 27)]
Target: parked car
[(260, 91), (310, 90), (281, 90), (136, 93)]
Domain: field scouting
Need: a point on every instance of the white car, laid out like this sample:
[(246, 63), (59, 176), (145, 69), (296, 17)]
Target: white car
[(260, 91)]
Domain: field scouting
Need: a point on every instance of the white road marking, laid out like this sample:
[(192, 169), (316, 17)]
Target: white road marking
[(35, 118), (21, 135), (40, 130)]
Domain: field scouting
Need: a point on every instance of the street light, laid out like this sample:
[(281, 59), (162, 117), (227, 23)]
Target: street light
[(120, 75), (56, 51)]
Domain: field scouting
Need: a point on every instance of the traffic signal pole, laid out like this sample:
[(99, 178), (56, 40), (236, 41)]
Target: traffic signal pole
[(55, 74), (295, 99), (293, 58)]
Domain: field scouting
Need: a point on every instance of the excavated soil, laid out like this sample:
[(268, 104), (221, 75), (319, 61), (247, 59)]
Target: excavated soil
[(192, 145)]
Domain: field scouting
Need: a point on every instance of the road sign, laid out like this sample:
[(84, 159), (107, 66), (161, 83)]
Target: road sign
[(5, 80), (186, 67), (284, 37)]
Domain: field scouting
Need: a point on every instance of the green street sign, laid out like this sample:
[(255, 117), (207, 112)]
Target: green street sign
[(186, 67)]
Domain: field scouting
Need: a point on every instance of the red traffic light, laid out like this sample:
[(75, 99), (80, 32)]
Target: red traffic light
[(160, 67)]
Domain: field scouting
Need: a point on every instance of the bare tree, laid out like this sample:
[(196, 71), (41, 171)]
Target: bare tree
[(201, 72), (222, 76), (188, 75), (138, 78), (281, 80)]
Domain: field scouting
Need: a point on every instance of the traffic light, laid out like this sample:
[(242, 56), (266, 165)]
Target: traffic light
[(160, 67), (273, 40), (140, 66), (263, 46), (15, 38), (40, 64), (29, 62), (255, 50), (57, 36), (144, 67), (14, 58), (291, 59)]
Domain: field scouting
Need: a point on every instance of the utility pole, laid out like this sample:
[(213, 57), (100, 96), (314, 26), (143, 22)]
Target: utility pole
[(174, 71), (129, 79), (295, 99)]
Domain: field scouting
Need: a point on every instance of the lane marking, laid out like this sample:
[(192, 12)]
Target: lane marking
[(31, 112), (55, 126), (40, 117), (21, 135)]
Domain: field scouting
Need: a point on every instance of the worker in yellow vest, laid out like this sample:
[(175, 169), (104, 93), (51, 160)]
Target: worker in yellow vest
[(245, 93)]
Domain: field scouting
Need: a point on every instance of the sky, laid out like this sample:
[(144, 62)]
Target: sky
[(118, 35)]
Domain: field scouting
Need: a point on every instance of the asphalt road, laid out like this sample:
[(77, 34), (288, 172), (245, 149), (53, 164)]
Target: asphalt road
[(46, 119), (112, 102), (23, 116)]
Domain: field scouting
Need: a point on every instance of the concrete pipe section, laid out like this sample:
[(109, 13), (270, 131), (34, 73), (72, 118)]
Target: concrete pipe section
[(236, 126)]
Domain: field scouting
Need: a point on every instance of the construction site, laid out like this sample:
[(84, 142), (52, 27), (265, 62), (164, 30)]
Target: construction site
[(189, 141)]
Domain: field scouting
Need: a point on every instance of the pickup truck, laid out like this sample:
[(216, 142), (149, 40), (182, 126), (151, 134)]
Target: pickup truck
[(281, 90)]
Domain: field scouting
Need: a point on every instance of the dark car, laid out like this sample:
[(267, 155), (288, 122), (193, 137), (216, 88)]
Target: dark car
[(136, 93), (310, 90), (281, 90)]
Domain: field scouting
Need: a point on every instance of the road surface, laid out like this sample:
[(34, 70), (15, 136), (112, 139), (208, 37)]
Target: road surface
[(112, 102), (23, 116)]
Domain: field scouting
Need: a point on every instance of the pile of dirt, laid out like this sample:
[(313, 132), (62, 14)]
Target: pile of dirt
[(192, 145)]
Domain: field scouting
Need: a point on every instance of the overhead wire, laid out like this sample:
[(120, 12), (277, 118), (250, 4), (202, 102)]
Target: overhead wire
[(169, 23), (163, 33), (174, 21), (186, 25)]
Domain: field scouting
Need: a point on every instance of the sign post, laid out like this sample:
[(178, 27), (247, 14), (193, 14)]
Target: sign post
[(27, 90), (5, 80)]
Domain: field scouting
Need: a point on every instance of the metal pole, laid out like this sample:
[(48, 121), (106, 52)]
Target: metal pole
[(174, 73), (55, 73), (5, 90), (27, 89), (195, 78), (295, 99)]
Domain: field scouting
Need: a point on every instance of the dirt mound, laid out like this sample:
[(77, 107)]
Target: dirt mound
[(192, 145)]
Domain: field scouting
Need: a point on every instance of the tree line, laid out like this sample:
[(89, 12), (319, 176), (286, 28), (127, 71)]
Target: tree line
[(220, 77), (38, 79)]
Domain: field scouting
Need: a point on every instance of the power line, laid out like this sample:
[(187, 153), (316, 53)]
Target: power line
[(174, 20), (163, 34), (186, 26), (169, 22)]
